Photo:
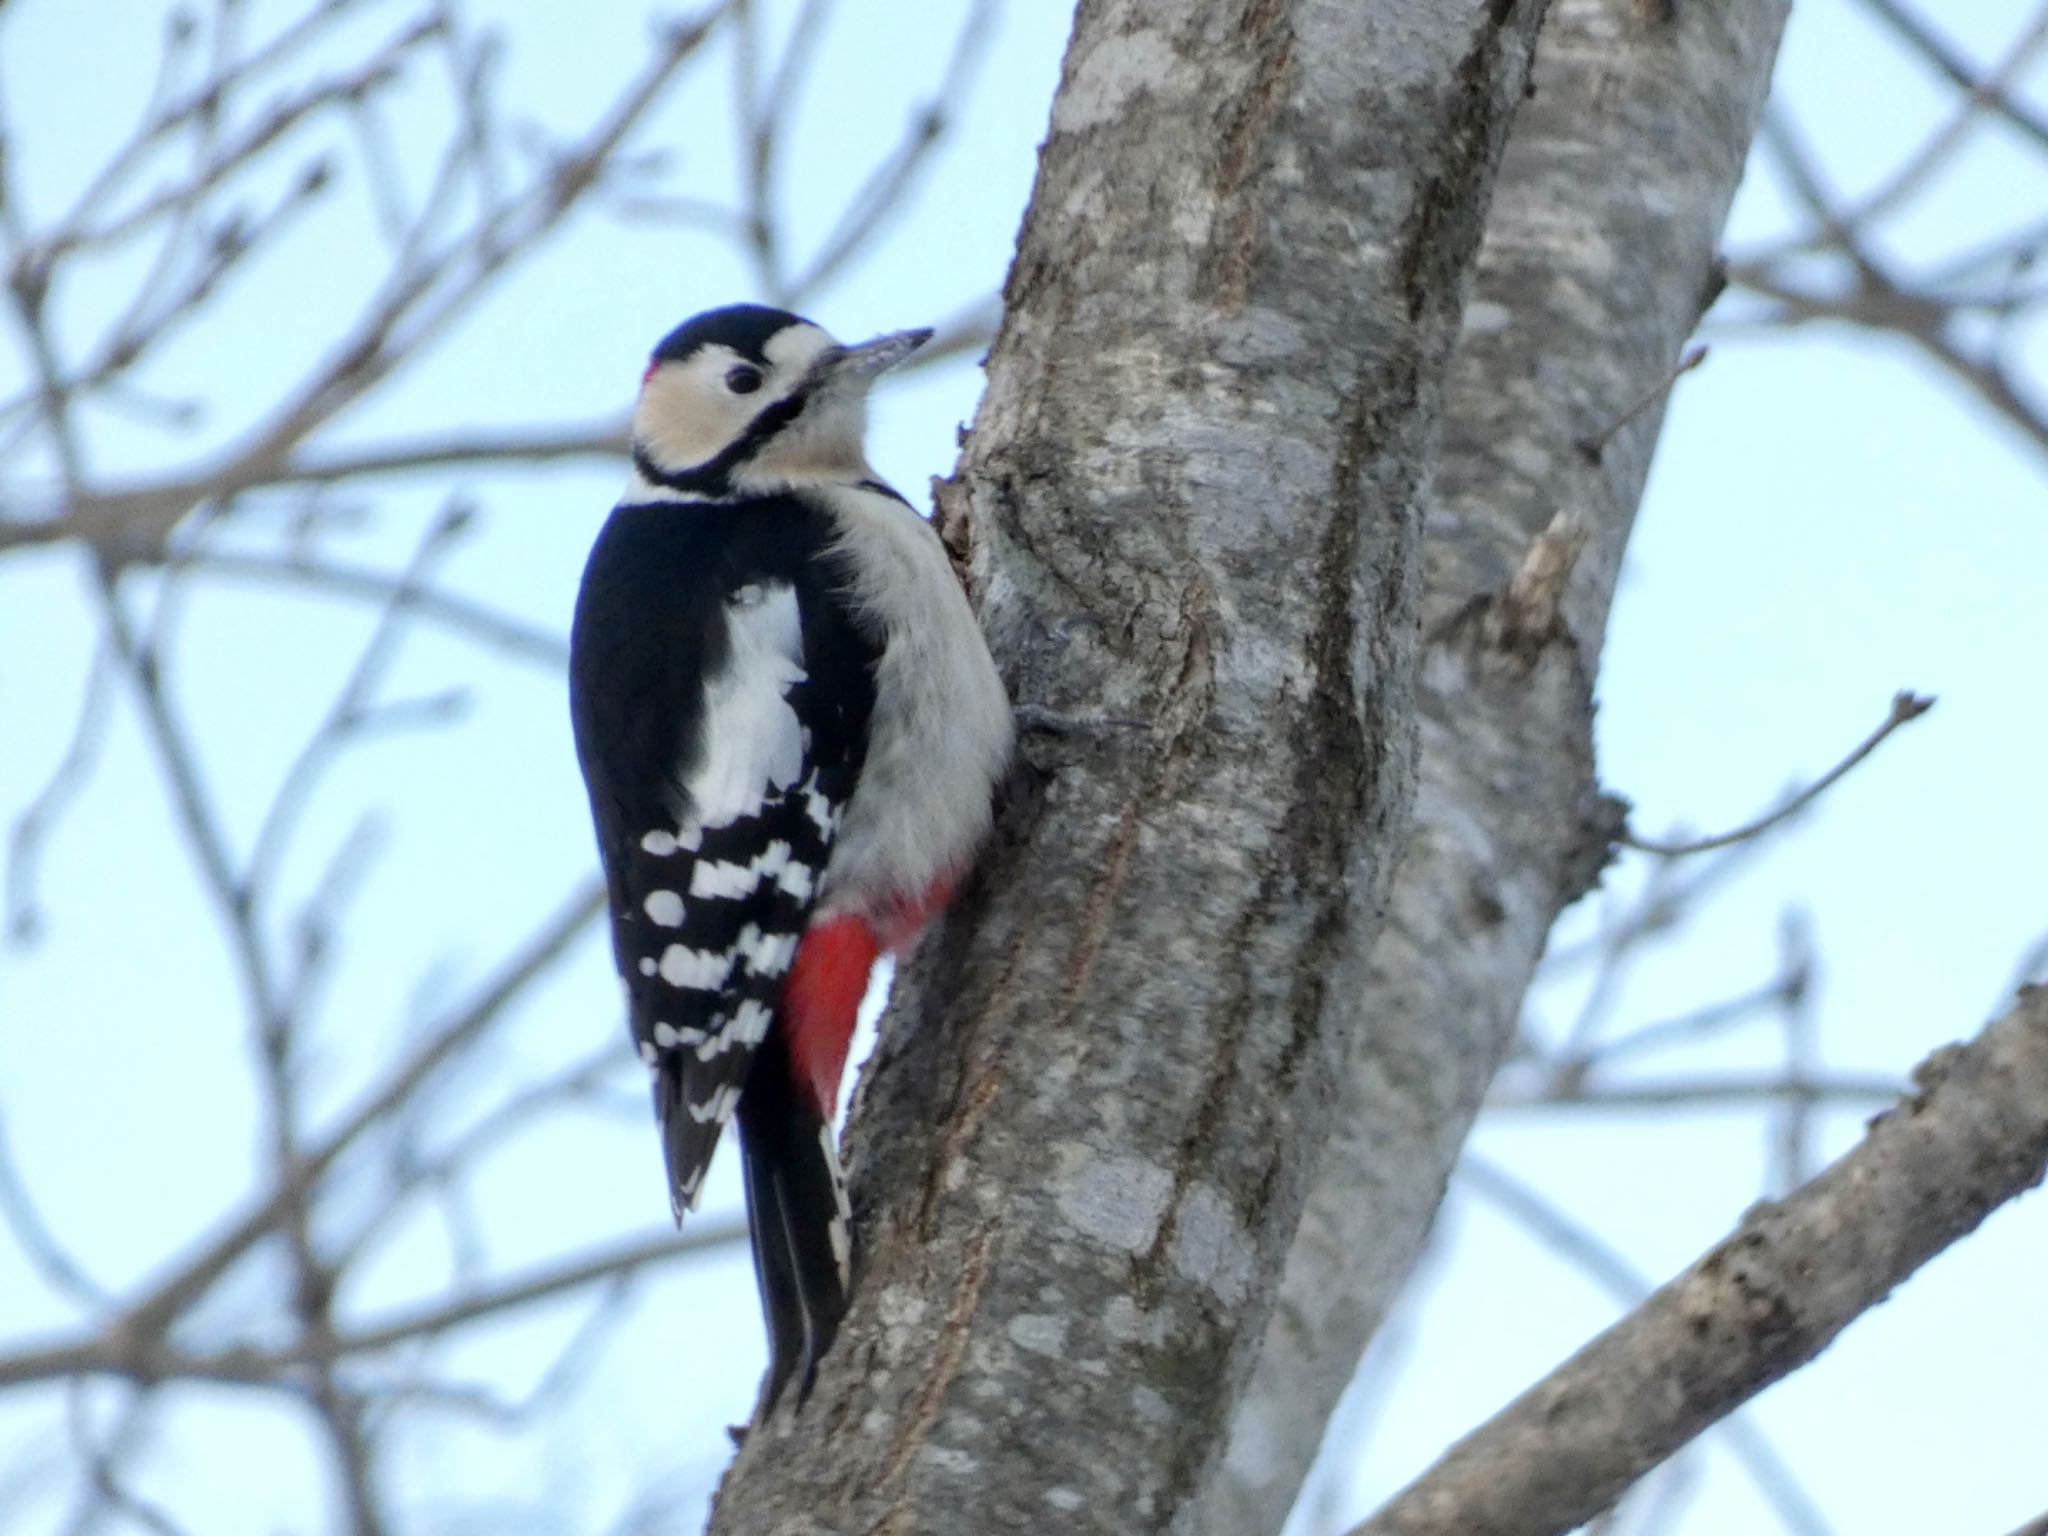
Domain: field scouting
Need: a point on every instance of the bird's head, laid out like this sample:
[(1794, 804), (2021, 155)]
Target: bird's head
[(747, 399)]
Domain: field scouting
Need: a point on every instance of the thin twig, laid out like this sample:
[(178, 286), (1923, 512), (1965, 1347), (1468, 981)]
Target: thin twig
[(1906, 707), (885, 193), (1849, 1093), (434, 1318), (198, 1274), (1594, 445), (1957, 69), (512, 637), (39, 1244), (32, 828)]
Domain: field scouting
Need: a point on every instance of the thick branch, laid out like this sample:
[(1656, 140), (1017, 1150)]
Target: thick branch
[(1587, 291), (1762, 1303)]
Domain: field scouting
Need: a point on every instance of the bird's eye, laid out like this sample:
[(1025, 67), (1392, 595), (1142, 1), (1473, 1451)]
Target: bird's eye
[(743, 380)]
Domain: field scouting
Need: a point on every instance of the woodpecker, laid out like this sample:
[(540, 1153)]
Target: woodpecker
[(791, 731)]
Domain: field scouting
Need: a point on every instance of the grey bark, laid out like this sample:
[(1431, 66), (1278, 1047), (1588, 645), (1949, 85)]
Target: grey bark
[(1599, 257), (1194, 497), (1762, 1303)]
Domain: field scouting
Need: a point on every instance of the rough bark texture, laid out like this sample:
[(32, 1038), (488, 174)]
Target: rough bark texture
[(1599, 257), (1761, 1304), (1193, 497)]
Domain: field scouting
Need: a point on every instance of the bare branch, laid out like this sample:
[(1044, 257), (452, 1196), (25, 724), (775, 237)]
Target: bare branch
[(1992, 93), (1595, 444), (104, 1457), (1957, 69), (39, 1244), (1906, 708), (198, 1274), (1852, 1093), (1587, 1252), (623, 1259), (1761, 1303), (350, 715), (885, 194), (502, 633), (32, 828)]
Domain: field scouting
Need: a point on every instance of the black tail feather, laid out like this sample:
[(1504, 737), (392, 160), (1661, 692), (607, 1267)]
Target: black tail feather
[(796, 1213)]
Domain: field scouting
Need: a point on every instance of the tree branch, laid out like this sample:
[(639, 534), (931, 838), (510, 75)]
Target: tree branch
[(1763, 1302), (1584, 296)]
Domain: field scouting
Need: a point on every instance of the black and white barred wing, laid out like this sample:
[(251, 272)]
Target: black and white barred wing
[(720, 883)]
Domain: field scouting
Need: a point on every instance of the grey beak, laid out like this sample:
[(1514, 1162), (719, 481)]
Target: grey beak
[(864, 362)]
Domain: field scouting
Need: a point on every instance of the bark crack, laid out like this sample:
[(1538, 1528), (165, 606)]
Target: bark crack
[(924, 1411), (1266, 33)]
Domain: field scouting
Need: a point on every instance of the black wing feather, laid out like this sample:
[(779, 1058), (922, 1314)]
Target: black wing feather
[(650, 630)]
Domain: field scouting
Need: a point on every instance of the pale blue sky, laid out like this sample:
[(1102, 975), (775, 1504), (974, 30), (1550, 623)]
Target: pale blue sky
[(1826, 524)]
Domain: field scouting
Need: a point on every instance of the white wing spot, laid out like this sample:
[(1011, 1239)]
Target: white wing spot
[(649, 1054), (660, 844), (718, 1107), (816, 806), (720, 880), (796, 881), (750, 1022), (718, 1045), (717, 880), (701, 970), (665, 1036), (766, 954), (647, 966), (686, 1197), (664, 908)]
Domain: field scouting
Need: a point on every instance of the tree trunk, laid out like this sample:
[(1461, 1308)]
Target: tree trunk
[(1193, 497), (1599, 257)]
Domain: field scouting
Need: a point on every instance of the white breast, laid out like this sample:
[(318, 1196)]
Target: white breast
[(940, 733)]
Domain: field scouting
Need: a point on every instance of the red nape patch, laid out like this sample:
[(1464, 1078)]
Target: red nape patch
[(652, 364), (822, 1001)]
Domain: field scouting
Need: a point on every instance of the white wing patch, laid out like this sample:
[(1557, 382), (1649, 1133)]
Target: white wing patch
[(718, 1107), (716, 878), (702, 970), (754, 743)]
